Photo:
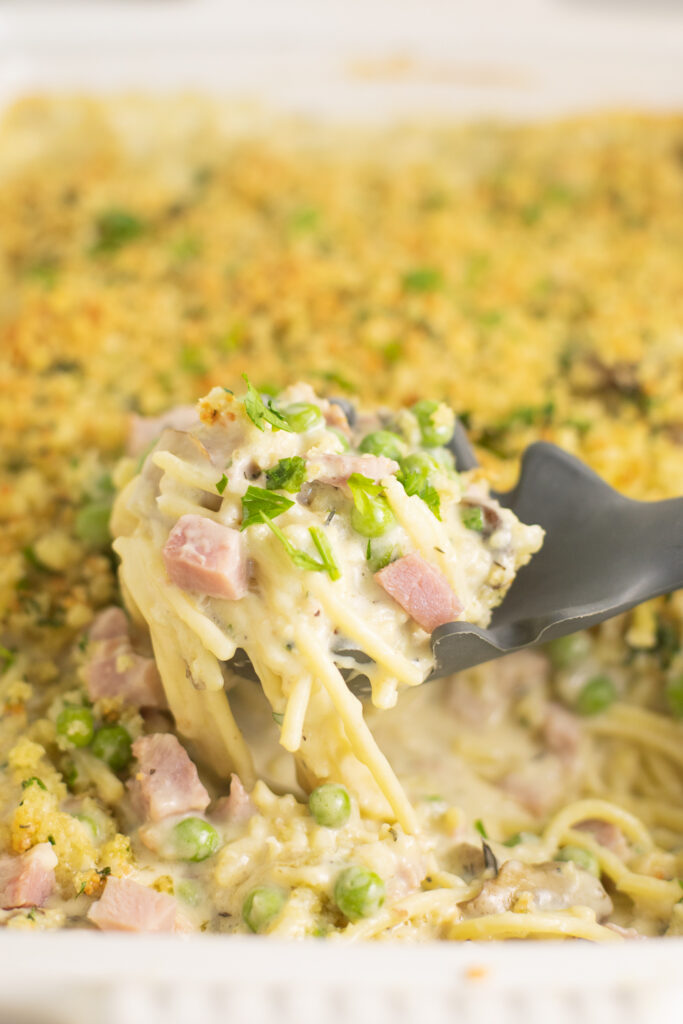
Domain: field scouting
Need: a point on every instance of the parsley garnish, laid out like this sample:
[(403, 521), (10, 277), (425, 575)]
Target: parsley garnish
[(300, 558), (260, 413), (432, 500), (422, 279), (382, 561), (116, 228), (479, 825), (287, 475), (222, 484), (325, 551), (33, 780), (259, 505), (304, 561), (7, 657), (278, 717)]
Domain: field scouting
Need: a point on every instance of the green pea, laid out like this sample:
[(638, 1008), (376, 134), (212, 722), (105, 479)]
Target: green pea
[(371, 515), (674, 696), (374, 519), (330, 805), (92, 524), (444, 458), (382, 442), (436, 422), (582, 858), (358, 892), (195, 839), (189, 892), (113, 746), (566, 651), (302, 416), (596, 696), (415, 472), (262, 906), (76, 725), (473, 518)]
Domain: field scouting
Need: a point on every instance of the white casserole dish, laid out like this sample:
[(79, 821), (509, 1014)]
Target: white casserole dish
[(381, 60)]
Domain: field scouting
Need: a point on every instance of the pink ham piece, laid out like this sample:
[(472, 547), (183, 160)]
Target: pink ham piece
[(115, 670), (204, 557), (336, 469), (421, 590), (561, 731), (166, 781), (126, 906), (27, 880), (144, 430), (237, 807), (109, 623), (607, 834)]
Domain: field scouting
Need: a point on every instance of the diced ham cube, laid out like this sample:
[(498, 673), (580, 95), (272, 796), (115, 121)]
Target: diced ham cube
[(115, 670), (143, 430), (110, 622), (205, 557), (561, 731), (27, 880), (237, 807), (336, 469), (607, 834), (166, 781), (421, 590), (127, 906)]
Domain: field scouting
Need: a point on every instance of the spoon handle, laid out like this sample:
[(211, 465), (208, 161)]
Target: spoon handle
[(661, 551)]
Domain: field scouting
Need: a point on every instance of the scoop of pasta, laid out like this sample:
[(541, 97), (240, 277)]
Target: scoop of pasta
[(280, 528)]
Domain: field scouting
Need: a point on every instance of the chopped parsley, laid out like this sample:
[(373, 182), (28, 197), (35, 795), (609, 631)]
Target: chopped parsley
[(33, 780), (479, 825), (325, 551), (301, 559), (432, 500), (286, 475), (7, 658), (116, 228), (422, 279), (259, 505), (260, 413), (222, 484)]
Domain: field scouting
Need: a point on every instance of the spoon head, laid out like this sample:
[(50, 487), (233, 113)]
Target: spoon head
[(594, 562)]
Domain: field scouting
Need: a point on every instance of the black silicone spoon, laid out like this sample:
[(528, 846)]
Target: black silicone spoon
[(603, 554)]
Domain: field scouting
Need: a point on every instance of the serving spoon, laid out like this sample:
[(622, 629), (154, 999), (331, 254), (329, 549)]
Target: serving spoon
[(603, 553)]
